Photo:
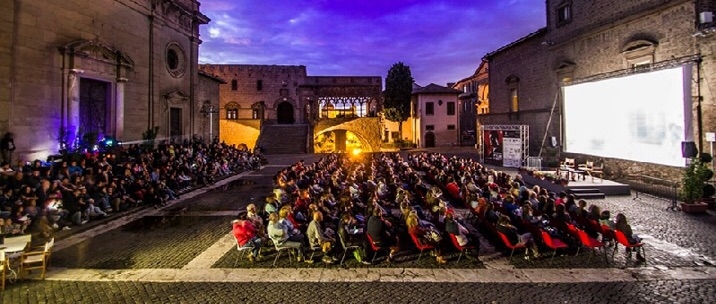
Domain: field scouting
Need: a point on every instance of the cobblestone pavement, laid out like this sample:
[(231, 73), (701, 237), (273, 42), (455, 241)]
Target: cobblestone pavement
[(158, 241), (671, 291)]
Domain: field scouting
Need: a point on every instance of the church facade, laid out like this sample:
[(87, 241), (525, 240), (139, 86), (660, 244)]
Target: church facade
[(115, 68)]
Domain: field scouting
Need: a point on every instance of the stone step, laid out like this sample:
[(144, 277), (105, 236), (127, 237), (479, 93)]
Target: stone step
[(284, 139)]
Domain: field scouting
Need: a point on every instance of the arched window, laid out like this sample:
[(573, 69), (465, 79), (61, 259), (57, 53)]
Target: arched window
[(639, 53)]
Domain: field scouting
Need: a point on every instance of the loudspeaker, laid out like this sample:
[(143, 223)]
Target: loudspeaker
[(553, 141), (688, 149)]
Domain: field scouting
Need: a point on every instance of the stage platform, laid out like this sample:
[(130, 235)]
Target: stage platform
[(586, 189)]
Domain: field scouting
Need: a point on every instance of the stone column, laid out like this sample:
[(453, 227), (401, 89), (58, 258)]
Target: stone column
[(73, 106), (340, 140), (119, 109)]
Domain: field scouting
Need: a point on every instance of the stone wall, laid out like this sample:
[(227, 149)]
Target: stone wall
[(593, 46), (270, 79), (242, 131), (207, 93), (125, 49), (367, 129)]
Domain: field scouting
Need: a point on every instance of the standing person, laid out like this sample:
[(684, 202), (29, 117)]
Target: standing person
[(7, 145)]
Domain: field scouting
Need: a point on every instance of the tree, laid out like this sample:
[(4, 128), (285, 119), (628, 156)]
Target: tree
[(398, 88)]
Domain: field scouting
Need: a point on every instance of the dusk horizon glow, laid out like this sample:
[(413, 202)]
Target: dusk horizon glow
[(441, 41)]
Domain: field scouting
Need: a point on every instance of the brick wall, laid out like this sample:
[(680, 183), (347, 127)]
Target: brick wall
[(274, 78)]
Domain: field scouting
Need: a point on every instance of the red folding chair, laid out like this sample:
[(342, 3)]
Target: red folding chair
[(509, 245), (622, 239), (608, 235), (590, 242), (554, 244), (373, 247), (420, 246), (463, 249)]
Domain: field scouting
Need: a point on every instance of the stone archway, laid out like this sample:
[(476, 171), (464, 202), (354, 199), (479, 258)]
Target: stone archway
[(284, 113), (429, 140)]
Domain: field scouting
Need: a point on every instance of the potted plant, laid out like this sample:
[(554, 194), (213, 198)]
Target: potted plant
[(695, 191)]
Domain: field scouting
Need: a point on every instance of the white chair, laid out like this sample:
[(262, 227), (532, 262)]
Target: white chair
[(278, 253), (37, 259), (243, 251), (313, 250), (346, 247)]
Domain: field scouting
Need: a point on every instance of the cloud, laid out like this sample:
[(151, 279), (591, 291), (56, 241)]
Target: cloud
[(442, 41)]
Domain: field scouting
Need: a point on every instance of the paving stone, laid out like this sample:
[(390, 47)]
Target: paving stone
[(673, 240), (671, 291)]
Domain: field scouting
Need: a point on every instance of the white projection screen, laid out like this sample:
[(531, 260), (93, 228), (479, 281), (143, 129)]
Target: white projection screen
[(637, 117)]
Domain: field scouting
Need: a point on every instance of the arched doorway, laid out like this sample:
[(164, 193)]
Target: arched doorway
[(284, 113), (429, 140)]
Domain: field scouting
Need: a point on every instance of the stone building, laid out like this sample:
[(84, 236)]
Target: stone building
[(435, 117), (474, 101), (104, 67), (270, 104), (586, 42)]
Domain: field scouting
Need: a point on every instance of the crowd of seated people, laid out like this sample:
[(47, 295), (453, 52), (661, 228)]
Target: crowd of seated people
[(385, 201), (561, 216), (354, 198), (47, 196)]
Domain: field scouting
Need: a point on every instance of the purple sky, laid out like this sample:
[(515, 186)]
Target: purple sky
[(441, 40)]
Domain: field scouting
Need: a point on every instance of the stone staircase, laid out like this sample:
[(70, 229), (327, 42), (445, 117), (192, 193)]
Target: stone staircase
[(283, 139)]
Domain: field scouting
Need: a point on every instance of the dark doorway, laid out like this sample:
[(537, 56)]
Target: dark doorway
[(175, 124), (284, 113), (93, 107), (429, 140)]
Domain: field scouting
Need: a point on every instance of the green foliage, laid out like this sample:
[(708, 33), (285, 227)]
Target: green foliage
[(696, 175), (149, 136), (398, 88)]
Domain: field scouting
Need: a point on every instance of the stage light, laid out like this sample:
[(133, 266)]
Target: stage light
[(356, 152)]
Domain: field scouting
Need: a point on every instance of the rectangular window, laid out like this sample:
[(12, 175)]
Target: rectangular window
[(232, 114), (395, 135), (514, 101), (564, 14), (234, 85), (429, 127), (451, 108), (451, 127), (430, 108), (641, 65), (259, 85)]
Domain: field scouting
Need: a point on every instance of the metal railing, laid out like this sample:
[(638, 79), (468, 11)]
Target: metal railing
[(655, 187)]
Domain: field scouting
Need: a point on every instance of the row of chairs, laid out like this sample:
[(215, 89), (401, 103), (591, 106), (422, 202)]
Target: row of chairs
[(245, 251), (585, 240)]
